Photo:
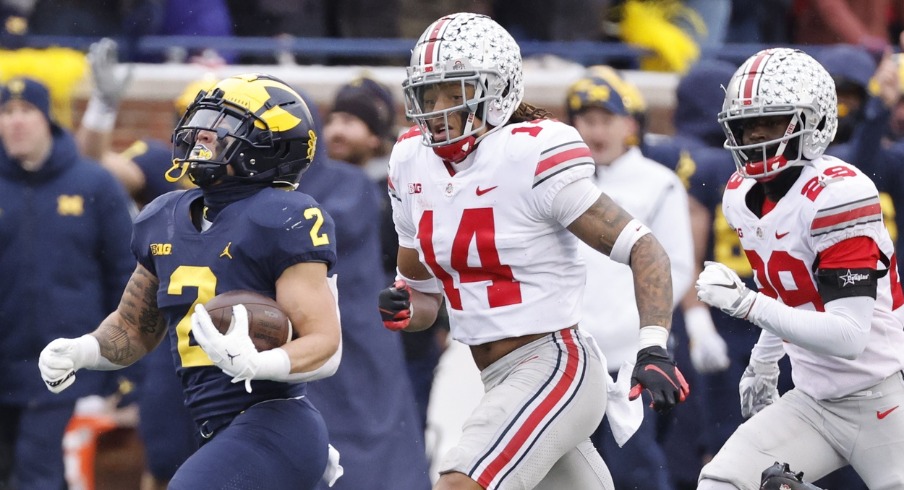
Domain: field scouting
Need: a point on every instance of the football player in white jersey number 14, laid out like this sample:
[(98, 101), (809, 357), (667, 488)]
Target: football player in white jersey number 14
[(490, 198), (829, 293)]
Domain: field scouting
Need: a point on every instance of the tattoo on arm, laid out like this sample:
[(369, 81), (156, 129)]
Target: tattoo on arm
[(652, 282), (599, 228), (137, 325), (601, 224)]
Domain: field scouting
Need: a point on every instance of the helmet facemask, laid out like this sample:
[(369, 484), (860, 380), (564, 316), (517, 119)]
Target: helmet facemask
[(473, 113), (207, 165), (764, 159)]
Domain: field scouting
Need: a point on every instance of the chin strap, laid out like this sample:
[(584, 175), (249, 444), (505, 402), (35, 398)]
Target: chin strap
[(458, 151)]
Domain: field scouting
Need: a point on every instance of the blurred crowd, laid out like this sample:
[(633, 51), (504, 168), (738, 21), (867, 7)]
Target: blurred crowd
[(358, 130), (674, 32)]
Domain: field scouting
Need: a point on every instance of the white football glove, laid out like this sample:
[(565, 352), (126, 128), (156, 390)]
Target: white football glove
[(758, 387), (721, 287), (110, 80), (234, 352), (61, 358), (709, 352)]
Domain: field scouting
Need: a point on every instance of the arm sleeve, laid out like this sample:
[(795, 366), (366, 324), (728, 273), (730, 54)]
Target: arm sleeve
[(768, 348), (841, 330), (572, 200)]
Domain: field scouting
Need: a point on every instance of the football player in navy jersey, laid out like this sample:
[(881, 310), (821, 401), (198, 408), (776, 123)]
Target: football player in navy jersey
[(245, 144)]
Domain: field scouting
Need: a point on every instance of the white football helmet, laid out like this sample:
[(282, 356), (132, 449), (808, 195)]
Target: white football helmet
[(775, 82), (475, 51)]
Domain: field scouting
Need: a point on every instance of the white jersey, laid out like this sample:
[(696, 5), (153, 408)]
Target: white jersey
[(654, 195), (831, 201), (508, 268)]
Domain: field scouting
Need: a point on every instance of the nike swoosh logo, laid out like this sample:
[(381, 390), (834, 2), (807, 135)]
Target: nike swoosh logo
[(650, 367), (481, 192), (779, 236), (882, 415)]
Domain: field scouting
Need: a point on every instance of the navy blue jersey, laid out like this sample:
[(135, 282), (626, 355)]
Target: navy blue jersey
[(249, 245)]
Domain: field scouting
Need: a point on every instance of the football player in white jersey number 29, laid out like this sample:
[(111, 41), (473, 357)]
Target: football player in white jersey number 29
[(490, 197), (829, 293)]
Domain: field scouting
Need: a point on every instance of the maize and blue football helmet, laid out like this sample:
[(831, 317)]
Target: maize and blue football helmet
[(264, 131)]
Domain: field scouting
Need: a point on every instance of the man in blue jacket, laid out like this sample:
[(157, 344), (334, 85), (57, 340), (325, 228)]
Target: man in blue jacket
[(64, 260), (368, 405)]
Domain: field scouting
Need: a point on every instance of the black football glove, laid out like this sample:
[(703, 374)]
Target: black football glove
[(395, 306), (656, 373)]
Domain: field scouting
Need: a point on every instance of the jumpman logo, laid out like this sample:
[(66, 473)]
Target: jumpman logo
[(225, 252), (231, 357)]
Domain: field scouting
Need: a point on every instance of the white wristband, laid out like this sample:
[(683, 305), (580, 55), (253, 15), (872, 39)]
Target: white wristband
[(88, 355), (428, 286), (653, 335), (621, 249), (274, 365), (98, 116)]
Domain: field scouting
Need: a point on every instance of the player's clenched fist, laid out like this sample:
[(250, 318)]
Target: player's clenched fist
[(657, 373), (721, 287), (395, 306), (63, 357)]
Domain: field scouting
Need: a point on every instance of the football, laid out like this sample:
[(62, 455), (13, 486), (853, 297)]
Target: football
[(268, 325)]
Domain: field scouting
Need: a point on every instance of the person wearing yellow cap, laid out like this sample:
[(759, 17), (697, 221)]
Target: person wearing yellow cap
[(599, 106)]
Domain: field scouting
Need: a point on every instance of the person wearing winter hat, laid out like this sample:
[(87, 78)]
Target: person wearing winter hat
[(360, 130), (361, 127), (851, 67), (65, 230), (32, 98)]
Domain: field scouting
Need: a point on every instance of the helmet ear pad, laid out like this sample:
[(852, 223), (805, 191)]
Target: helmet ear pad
[(811, 148), (497, 114)]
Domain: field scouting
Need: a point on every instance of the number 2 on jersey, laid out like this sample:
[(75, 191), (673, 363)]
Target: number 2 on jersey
[(477, 226)]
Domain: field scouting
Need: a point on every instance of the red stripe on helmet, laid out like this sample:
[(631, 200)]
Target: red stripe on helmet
[(751, 76), (432, 38)]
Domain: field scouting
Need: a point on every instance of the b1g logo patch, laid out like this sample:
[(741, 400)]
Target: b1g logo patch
[(161, 249)]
